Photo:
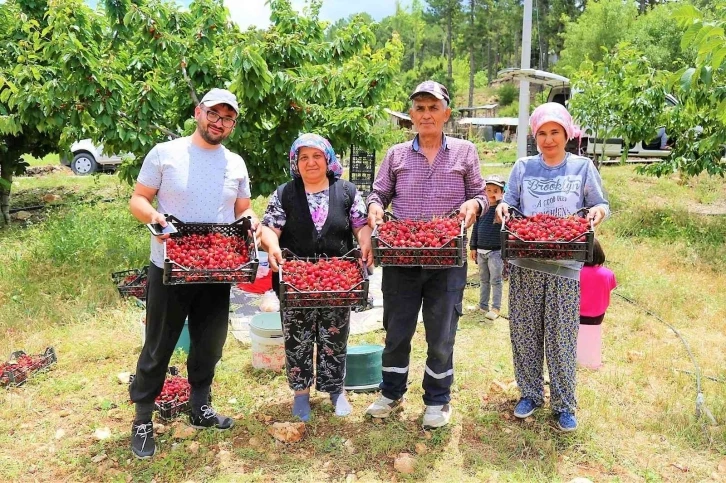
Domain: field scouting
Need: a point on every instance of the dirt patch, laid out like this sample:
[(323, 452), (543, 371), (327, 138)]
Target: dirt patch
[(34, 171), (715, 208)]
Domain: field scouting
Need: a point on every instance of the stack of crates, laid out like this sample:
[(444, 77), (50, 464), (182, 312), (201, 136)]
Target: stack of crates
[(362, 169)]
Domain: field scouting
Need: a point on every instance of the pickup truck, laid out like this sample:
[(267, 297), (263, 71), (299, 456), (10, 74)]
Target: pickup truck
[(560, 92), (88, 158)]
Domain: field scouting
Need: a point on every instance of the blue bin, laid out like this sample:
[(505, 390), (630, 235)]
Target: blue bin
[(364, 371), (184, 341)]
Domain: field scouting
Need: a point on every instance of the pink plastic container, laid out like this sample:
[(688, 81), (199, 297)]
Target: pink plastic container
[(589, 346)]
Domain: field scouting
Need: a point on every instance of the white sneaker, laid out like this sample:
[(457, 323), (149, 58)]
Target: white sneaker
[(492, 314), (383, 407), (436, 416)]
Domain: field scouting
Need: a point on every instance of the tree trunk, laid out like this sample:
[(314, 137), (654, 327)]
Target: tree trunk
[(7, 175), (490, 65), (414, 51), (544, 34), (449, 28), (472, 66)]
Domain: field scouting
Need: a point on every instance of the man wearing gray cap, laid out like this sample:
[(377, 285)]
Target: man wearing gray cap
[(197, 180), (431, 176)]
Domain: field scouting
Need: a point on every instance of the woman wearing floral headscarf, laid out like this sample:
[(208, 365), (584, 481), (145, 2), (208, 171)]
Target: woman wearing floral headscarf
[(544, 295), (316, 213)]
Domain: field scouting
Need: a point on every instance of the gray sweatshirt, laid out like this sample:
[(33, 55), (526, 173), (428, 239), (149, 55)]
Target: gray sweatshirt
[(560, 190)]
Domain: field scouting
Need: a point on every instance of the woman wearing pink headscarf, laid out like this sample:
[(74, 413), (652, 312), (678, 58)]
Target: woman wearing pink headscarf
[(544, 295)]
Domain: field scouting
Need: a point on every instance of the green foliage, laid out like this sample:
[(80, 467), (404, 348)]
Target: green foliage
[(507, 93), (461, 78), (62, 261), (132, 78), (480, 79), (512, 110), (657, 35), (420, 37), (622, 95), (606, 23), (93, 236), (706, 235), (598, 30), (432, 68), (698, 122)]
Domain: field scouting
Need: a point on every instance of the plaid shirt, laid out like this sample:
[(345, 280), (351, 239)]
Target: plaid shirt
[(419, 190)]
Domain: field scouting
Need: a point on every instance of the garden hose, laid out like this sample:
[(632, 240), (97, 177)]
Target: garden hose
[(701, 408)]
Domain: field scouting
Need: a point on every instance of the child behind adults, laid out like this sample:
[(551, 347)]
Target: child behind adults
[(596, 283), (486, 250)]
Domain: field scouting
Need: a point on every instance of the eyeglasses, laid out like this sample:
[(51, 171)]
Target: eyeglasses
[(213, 117)]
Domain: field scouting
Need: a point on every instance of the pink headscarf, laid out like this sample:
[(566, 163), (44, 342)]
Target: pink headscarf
[(553, 112)]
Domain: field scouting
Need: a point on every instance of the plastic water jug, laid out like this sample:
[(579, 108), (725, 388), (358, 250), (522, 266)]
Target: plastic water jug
[(589, 346), (264, 266)]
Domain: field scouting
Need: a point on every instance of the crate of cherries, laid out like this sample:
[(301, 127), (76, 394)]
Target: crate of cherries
[(132, 283), (547, 236), (20, 366), (174, 397), (210, 253), (437, 243), (317, 282), (173, 400)]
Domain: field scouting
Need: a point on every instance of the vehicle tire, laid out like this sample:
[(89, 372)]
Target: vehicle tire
[(83, 163)]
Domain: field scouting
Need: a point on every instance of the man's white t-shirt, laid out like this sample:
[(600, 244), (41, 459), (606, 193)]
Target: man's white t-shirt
[(195, 185)]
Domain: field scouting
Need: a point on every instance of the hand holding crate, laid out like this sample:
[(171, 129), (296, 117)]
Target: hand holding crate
[(546, 236)]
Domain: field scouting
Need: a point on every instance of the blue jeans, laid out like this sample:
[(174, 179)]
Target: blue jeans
[(491, 267), (439, 292)]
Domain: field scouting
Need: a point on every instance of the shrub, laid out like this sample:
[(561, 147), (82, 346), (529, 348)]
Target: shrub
[(507, 93)]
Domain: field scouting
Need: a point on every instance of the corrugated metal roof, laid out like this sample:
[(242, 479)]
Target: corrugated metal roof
[(397, 114), (474, 108), (490, 121)]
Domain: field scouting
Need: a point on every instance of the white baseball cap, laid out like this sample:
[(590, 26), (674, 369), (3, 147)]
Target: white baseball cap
[(220, 96)]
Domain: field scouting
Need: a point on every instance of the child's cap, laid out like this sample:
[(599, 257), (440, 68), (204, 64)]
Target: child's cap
[(495, 179)]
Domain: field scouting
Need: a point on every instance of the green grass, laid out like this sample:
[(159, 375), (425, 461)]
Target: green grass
[(50, 159), (497, 152), (30, 190), (637, 414)]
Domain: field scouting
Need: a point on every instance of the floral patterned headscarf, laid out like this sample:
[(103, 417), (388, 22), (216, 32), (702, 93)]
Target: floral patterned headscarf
[(310, 140)]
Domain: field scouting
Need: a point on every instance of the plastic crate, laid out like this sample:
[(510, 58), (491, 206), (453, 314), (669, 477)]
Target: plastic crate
[(577, 249), (175, 274), (451, 254), (172, 409), (169, 410), (357, 296), (362, 169), (134, 287), (17, 376)]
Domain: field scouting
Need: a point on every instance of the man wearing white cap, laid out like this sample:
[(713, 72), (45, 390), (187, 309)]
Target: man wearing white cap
[(197, 180)]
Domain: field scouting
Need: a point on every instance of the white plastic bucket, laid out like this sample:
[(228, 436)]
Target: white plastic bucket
[(589, 346), (267, 353), (268, 344)]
